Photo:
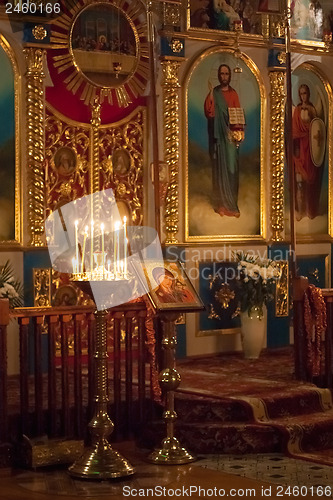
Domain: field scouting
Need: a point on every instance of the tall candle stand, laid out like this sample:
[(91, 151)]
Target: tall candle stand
[(171, 451), (100, 460)]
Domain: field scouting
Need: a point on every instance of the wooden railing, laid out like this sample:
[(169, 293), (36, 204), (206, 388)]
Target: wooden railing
[(301, 349), (55, 387)]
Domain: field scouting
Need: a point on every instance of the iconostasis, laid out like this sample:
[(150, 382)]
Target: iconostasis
[(79, 106)]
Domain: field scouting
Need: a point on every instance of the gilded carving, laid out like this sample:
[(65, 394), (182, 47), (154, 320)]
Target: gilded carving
[(121, 156), (171, 14), (282, 290), (170, 85), (176, 45), (42, 287), (67, 146), (39, 32), (79, 145), (277, 153), (35, 142), (224, 295)]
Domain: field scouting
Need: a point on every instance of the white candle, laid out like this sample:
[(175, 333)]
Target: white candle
[(102, 231), (84, 247), (109, 265), (125, 248), (116, 247), (92, 246), (73, 264), (77, 246)]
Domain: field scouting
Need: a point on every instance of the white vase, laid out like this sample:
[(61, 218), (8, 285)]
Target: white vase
[(253, 332)]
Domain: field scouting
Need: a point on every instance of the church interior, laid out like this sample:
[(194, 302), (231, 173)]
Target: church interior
[(166, 228)]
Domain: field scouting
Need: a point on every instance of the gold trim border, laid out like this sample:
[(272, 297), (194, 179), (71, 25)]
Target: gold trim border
[(263, 175), (211, 333), (5, 45)]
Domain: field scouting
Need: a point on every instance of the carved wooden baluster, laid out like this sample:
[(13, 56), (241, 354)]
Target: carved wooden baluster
[(141, 364), (38, 325), (64, 319), (116, 372), (78, 319), (4, 320), (52, 388), (24, 373), (129, 371), (91, 364)]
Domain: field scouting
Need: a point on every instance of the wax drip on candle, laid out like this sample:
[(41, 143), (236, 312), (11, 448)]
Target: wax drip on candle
[(85, 236), (125, 248), (103, 255), (91, 246), (76, 246)]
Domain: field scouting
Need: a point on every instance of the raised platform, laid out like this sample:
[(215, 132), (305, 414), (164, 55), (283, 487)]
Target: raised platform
[(227, 404)]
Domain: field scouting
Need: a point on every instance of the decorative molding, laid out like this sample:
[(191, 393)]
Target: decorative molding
[(35, 142), (170, 85), (60, 132), (42, 287), (39, 32), (277, 99), (282, 290), (94, 145)]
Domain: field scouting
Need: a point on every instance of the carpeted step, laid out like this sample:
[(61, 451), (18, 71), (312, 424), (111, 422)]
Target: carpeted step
[(233, 438), (217, 437), (295, 401), (307, 432), (196, 409)]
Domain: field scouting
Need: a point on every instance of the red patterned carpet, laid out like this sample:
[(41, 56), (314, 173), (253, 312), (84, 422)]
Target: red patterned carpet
[(227, 404)]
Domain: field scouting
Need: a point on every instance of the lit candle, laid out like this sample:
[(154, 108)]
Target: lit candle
[(92, 246), (77, 246), (102, 231), (84, 247), (125, 248), (116, 248)]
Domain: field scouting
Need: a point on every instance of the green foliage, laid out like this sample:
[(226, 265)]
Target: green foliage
[(10, 287)]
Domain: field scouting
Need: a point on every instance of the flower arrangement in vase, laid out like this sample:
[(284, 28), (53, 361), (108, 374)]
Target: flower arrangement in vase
[(10, 287), (255, 282)]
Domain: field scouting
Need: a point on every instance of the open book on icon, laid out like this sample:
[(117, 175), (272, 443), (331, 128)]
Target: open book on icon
[(236, 116)]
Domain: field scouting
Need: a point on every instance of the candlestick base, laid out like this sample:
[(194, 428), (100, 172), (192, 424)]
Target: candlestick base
[(171, 453), (101, 462)]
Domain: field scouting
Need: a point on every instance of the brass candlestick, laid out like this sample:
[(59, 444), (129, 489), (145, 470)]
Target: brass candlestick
[(171, 451), (100, 461)]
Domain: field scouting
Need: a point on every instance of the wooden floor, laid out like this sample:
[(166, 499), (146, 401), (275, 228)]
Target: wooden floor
[(186, 479)]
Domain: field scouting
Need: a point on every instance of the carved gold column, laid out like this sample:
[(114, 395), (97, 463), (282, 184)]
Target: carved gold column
[(94, 171), (277, 99), (95, 123), (35, 143), (170, 85)]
